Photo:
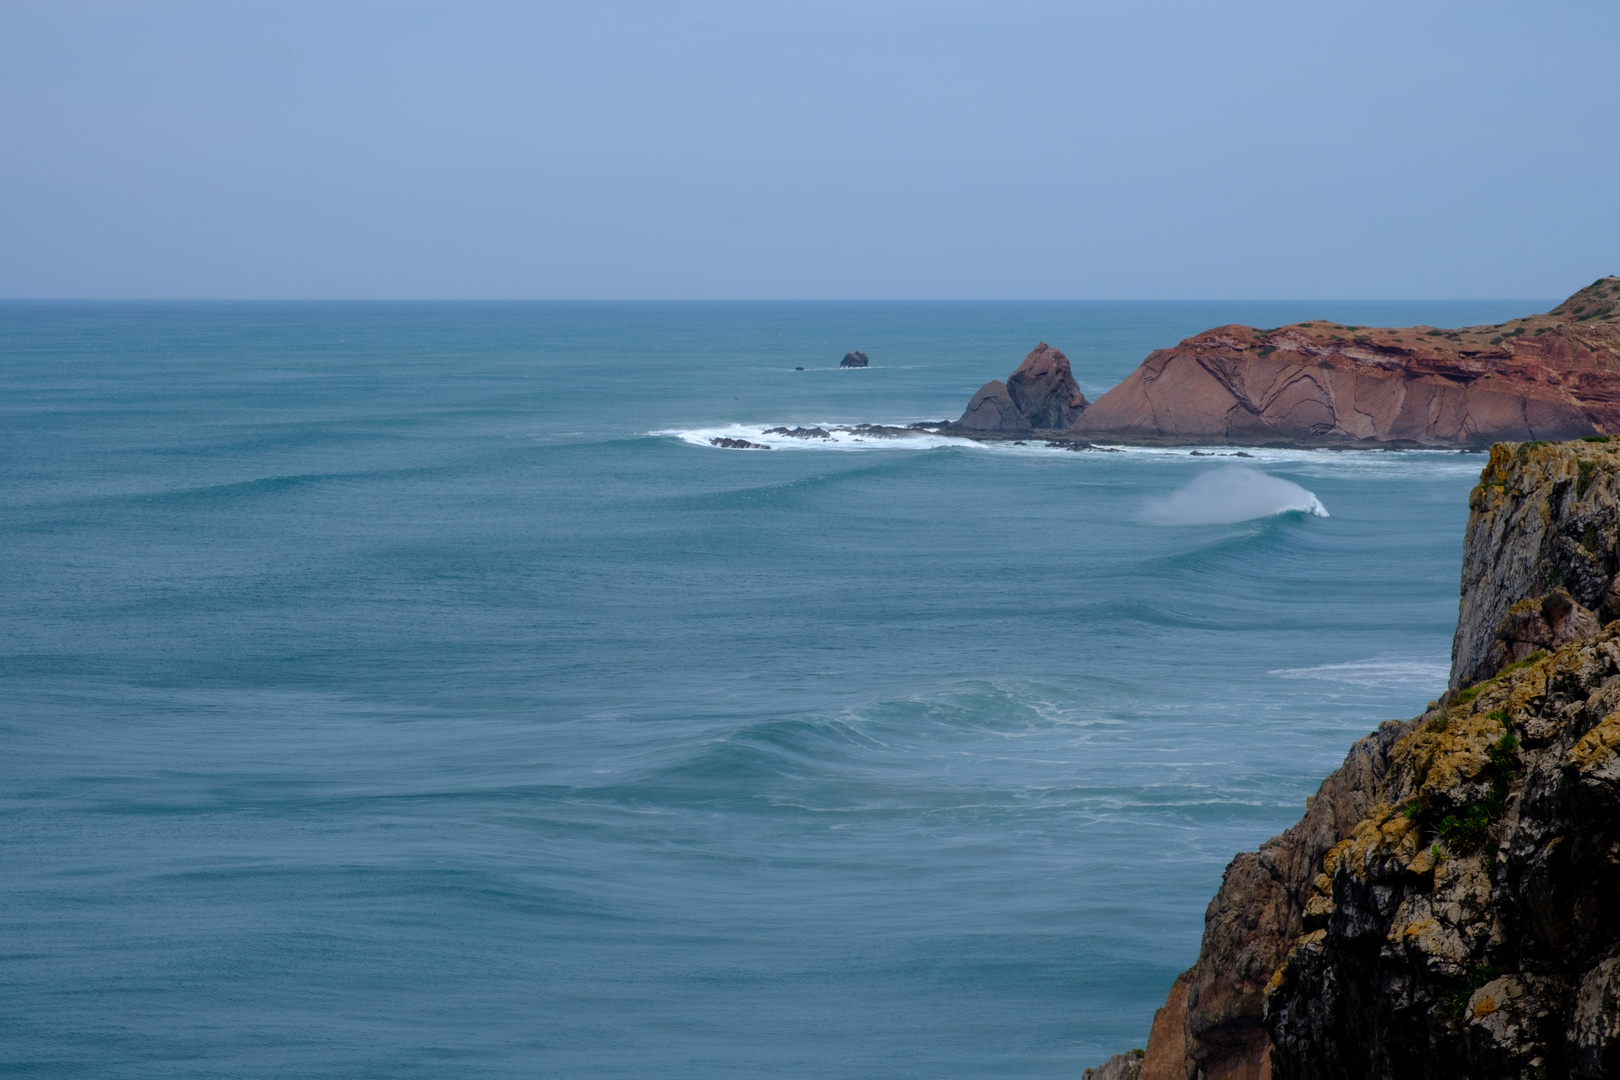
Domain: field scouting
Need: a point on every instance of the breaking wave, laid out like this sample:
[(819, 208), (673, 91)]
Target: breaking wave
[(1229, 495)]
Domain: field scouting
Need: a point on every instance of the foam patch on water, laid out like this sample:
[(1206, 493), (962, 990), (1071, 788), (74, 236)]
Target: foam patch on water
[(810, 436), (1228, 495), (896, 435), (1378, 671)]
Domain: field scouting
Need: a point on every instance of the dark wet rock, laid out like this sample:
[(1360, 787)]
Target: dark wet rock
[(737, 444), (853, 359), (798, 369), (1044, 391), (800, 432), (1040, 395)]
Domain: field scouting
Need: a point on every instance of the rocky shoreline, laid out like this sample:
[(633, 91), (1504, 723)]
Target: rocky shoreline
[(1449, 905)]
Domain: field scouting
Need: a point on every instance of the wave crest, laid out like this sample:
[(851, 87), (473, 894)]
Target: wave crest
[(1229, 495)]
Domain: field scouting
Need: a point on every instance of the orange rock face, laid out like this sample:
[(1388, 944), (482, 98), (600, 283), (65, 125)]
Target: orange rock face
[(1552, 376)]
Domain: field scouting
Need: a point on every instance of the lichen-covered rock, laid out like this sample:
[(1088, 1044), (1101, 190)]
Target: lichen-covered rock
[(1118, 1067), (1543, 517), (1540, 624), (1472, 918), (1449, 906)]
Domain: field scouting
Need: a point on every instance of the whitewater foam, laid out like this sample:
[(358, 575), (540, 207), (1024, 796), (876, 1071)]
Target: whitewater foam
[(1229, 495)]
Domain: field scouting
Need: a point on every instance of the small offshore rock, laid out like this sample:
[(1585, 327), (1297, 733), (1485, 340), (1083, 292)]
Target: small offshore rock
[(737, 444), (800, 432), (853, 359)]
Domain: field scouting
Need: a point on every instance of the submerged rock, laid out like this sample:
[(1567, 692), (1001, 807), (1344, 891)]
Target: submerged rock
[(737, 444)]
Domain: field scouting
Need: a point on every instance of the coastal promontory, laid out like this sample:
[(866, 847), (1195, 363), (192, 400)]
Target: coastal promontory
[(1321, 383)]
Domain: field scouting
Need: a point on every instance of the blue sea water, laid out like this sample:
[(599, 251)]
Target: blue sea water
[(411, 691)]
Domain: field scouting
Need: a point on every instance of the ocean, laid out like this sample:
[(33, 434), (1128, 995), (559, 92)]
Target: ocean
[(410, 690)]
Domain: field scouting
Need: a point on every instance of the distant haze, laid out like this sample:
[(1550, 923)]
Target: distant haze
[(825, 150)]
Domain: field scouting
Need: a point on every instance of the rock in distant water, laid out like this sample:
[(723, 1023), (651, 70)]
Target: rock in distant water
[(737, 444), (1449, 906), (1041, 394), (853, 359)]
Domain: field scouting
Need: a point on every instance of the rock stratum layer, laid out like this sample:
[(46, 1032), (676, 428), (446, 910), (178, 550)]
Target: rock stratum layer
[(1552, 376), (1449, 906)]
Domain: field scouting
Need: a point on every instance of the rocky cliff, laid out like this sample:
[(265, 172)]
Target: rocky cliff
[(1449, 906), (1317, 383)]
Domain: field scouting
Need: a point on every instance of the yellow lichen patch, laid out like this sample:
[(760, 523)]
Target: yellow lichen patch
[(1484, 1007), (1458, 754), (1417, 928), (1527, 686), (1382, 834), (1597, 747)]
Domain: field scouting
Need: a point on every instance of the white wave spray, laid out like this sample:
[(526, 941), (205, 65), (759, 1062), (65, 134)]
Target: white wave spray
[(1229, 495)]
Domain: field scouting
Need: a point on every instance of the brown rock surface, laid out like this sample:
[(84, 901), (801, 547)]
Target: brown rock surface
[(1540, 624), (1044, 389), (1318, 383), (992, 409)]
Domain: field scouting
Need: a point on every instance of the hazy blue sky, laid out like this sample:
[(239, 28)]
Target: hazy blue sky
[(825, 150)]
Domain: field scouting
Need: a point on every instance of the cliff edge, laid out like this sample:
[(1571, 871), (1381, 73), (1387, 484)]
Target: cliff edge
[(1449, 906)]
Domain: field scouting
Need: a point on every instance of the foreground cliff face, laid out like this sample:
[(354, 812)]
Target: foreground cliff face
[(1543, 519), (1450, 904), (1552, 376)]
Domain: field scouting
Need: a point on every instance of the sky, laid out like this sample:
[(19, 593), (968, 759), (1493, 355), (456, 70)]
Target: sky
[(637, 150)]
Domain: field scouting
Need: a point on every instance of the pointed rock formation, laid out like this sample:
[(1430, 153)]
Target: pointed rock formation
[(1040, 395)]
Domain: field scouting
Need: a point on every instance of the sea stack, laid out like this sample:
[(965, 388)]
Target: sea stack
[(853, 359), (1041, 396)]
